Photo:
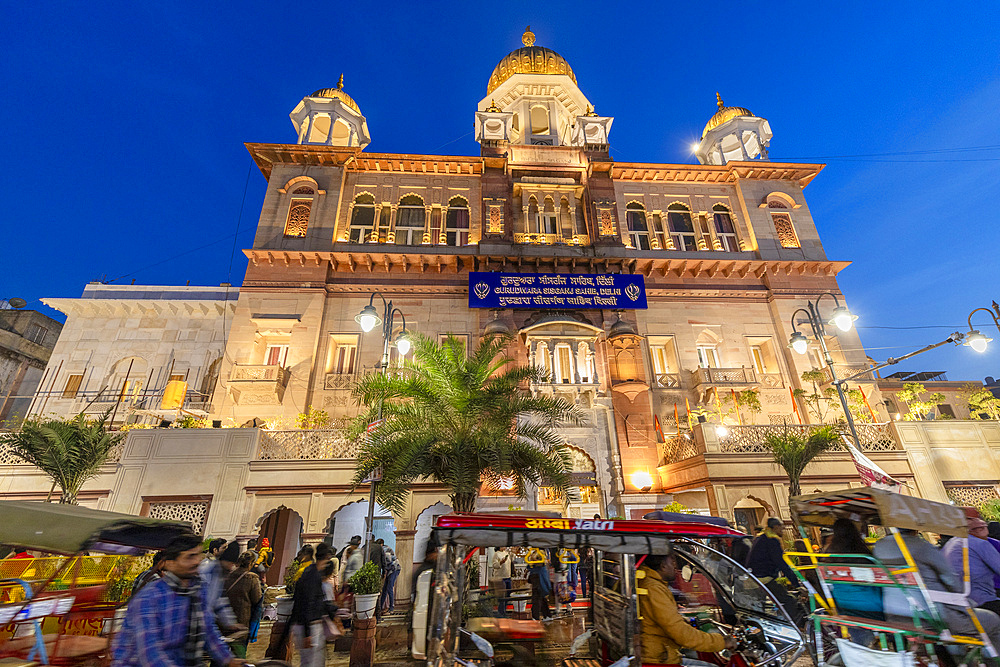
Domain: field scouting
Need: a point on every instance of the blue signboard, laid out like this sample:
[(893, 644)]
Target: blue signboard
[(567, 291)]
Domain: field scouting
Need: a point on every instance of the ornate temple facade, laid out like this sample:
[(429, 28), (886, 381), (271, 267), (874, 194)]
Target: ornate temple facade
[(726, 251), (659, 298)]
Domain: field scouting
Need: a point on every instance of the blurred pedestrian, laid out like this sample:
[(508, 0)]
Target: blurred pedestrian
[(150, 575), (244, 593), (170, 621), (308, 610)]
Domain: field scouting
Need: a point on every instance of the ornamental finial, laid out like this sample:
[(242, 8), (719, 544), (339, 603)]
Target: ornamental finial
[(340, 83), (528, 38), (718, 100)]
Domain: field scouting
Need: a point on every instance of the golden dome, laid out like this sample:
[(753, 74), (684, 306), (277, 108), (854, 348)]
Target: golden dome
[(338, 93), (723, 114), (530, 59)]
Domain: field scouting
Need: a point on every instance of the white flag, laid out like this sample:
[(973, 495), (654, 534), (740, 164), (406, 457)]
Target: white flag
[(871, 474)]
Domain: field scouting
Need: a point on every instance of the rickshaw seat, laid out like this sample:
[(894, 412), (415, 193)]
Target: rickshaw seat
[(69, 646), (581, 662), (900, 627), (506, 628)]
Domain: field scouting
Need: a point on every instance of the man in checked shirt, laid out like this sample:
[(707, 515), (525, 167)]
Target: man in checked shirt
[(170, 622)]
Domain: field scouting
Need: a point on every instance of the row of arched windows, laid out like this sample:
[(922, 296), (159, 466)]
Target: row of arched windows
[(411, 222), (677, 229)]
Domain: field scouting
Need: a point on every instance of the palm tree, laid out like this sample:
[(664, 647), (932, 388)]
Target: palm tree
[(461, 420), (793, 451), (69, 451)]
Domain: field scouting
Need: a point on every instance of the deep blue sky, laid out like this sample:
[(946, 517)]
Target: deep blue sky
[(123, 126)]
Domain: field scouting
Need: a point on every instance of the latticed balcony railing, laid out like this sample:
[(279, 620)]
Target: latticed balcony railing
[(7, 457), (724, 377), (258, 372), (751, 439), (297, 445), (679, 448)]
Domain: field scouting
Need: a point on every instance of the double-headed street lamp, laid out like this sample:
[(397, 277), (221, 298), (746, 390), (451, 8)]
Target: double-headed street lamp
[(975, 338), (843, 320), (369, 318)]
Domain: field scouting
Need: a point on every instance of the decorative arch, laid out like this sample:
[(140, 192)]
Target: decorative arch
[(638, 225), (707, 345), (422, 527), (724, 226), (457, 222), (352, 519), (776, 199), (263, 517), (581, 461), (298, 181), (410, 220), (363, 218), (680, 227), (780, 206)]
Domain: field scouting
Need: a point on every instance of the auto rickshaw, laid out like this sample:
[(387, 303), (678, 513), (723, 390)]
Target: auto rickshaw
[(925, 636), (715, 592), (59, 609)]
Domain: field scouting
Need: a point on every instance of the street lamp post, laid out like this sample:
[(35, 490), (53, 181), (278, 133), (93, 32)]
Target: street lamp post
[(368, 318), (976, 339), (844, 320)]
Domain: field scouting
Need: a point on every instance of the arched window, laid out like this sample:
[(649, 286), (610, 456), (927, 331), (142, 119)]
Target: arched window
[(456, 227), (532, 224), (725, 230), (681, 227), (783, 223), (548, 223), (539, 120), (638, 228), (362, 219), (410, 221), (320, 130), (297, 222)]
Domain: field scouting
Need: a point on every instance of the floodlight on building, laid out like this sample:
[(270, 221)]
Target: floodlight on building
[(798, 342), (642, 480), (368, 318), (977, 341), (842, 318), (721, 431)]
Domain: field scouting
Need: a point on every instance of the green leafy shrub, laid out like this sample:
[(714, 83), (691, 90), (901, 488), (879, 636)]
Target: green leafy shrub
[(367, 580)]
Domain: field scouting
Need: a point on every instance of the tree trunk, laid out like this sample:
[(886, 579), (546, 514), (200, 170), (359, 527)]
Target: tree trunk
[(793, 487), (464, 502)]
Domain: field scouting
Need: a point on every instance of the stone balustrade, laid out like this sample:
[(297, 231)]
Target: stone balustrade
[(314, 444)]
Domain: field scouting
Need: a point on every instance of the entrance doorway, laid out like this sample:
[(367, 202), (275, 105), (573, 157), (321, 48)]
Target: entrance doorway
[(283, 529)]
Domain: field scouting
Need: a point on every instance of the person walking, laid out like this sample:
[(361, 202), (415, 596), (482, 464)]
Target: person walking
[(170, 622), (149, 576), (541, 588), (500, 582), (389, 588), (586, 570), (983, 561), (766, 561), (242, 589), (352, 562), (308, 610)]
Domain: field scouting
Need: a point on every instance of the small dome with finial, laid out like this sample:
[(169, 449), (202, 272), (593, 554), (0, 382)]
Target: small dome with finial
[(529, 59), (338, 93), (621, 328), (495, 327), (493, 108), (723, 114)]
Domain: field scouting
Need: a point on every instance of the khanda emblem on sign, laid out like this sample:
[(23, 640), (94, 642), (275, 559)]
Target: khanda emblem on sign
[(482, 290), (632, 291)]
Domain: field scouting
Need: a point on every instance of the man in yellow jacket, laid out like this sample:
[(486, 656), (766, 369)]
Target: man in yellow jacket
[(664, 631)]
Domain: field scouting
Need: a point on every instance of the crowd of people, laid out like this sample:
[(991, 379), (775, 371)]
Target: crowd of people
[(200, 602)]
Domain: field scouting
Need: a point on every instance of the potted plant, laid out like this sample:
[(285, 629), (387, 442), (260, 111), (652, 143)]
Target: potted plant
[(367, 586)]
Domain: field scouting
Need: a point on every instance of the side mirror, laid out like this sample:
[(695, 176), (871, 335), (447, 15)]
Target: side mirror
[(687, 572)]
